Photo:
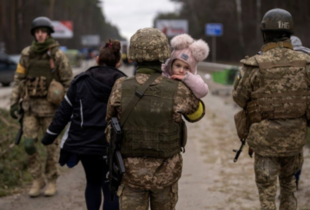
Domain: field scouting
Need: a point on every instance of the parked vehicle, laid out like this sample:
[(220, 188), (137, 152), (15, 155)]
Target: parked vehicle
[(7, 69)]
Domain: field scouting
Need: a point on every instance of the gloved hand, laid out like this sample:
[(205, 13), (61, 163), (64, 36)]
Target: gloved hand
[(250, 152), (14, 111), (48, 139)]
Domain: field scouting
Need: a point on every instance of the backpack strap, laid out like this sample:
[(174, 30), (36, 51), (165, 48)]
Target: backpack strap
[(138, 95)]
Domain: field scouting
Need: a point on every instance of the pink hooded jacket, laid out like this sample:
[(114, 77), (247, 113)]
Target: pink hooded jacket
[(193, 81)]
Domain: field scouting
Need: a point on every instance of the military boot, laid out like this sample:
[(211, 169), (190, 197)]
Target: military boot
[(51, 188), (37, 185)]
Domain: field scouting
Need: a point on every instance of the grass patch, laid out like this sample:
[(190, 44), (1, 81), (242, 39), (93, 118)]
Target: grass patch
[(13, 158)]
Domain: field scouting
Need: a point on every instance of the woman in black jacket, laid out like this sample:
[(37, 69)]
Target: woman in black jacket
[(84, 108)]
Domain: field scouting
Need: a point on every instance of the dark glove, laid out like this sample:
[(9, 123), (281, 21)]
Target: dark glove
[(250, 152), (48, 139), (14, 111)]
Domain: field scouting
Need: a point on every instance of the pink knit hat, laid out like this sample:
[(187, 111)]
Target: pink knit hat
[(186, 49)]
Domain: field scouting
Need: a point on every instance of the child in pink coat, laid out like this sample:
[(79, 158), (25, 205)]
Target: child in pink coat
[(182, 64)]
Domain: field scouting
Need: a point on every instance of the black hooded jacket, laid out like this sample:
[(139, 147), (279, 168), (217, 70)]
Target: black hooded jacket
[(84, 108)]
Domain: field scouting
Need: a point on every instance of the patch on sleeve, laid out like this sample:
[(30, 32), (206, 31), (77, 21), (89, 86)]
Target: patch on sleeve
[(20, 69), (237, 80), (239, 76)]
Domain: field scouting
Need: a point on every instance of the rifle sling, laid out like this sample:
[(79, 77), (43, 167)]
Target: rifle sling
[(138, 95)]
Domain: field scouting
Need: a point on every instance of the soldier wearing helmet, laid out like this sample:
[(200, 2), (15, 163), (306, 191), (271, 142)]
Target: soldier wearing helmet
[(154, 133), (273, 89), (42, 77)]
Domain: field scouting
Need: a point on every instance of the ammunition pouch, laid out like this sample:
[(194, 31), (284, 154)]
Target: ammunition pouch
[(242, 124), (275, 106), (36, 87), (55, 93)]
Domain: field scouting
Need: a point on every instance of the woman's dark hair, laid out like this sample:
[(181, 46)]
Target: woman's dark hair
[(110, 54)]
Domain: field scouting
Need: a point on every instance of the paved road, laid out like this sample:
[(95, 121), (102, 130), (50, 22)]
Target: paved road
[(210, 179)]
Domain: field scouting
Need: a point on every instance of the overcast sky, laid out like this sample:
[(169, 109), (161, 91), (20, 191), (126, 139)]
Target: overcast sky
[(131, 15)]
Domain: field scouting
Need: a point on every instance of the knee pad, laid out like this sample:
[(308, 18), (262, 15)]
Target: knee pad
[(30, 146)]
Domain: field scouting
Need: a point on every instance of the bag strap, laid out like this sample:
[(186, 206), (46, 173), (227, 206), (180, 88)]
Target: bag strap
[(138, 95), (51, 60), (55, 72)]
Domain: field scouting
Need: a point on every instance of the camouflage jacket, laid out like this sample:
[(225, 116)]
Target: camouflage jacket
[(278, 137), (154, 173), (40, 106)]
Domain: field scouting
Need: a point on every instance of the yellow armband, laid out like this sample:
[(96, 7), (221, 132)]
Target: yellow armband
[(20, 69), (198, 114)]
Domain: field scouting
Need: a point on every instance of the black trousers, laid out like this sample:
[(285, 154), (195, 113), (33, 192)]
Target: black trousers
[(96, 168)]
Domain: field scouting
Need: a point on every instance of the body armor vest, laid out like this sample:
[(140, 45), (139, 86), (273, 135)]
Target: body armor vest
[(283, 91), (39, 76), (150, 131)]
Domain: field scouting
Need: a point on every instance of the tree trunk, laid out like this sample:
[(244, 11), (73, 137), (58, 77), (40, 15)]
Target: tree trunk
[(258, 17), (13, 20), (52, 5), (240, 24)]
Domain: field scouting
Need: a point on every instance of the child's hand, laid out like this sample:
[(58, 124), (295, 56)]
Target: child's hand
[(177, 77)]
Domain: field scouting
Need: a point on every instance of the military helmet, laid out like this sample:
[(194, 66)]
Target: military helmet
[(277, 20), (43, 22), (149, 44), (296, 42)]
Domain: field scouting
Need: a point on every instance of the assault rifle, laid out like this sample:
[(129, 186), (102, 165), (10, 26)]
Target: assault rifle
[(238, 152), (116, 164), (20, 120)]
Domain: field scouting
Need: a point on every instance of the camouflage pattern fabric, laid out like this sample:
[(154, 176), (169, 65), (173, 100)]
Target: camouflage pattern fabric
[(152, 173), (280, 137), (185, 101), (62, 66), (39, 112), (267, 170), (159, 199), (277, 143), (32, 126), (149, 44)]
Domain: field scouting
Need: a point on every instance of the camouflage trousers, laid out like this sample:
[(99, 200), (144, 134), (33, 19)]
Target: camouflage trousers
[(32, 126), (139, 199), (267, 171)]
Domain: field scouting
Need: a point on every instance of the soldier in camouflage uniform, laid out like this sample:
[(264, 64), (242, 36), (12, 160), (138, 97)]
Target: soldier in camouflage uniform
[(39, 64), (154, 132), (273, 88)]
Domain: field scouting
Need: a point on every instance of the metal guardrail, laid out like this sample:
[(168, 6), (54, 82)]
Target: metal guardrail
[(209, 66)]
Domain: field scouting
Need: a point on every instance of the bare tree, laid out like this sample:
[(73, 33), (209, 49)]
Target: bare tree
[(240, 24), (51, 12), (258, 16)]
